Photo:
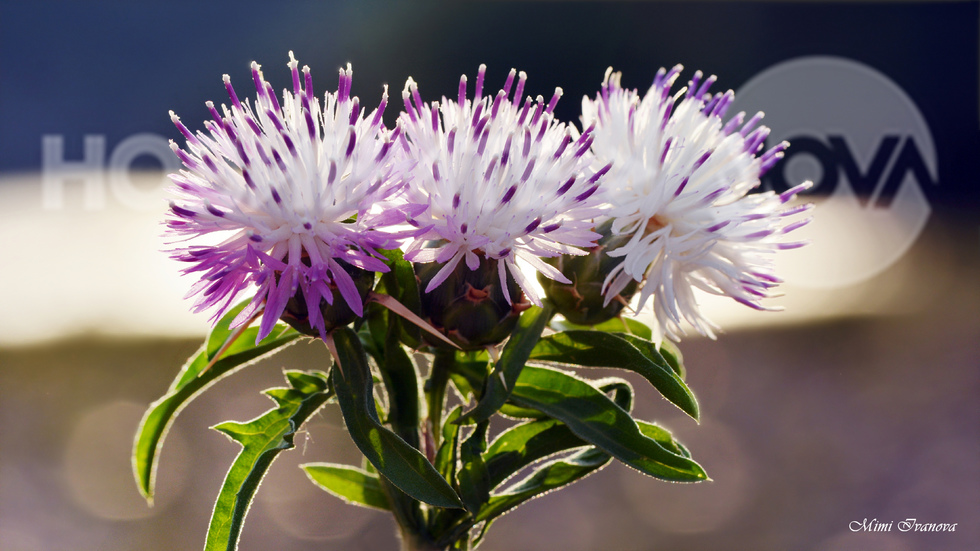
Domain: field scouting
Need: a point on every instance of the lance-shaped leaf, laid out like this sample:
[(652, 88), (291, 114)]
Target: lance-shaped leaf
[(555, 474), (262, 439), (469, 371), (513, 411), (595, 418), (501, 381), (551, 476), (394, 458), (548, 477), (353, 485), (473, 476), (596, 349), (663, 437), (225, 351), (671, 354), (521, 445), (447, 455), (674, 358), (615, 325)]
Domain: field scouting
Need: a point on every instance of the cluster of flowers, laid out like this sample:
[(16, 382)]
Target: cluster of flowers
[(302, 196)]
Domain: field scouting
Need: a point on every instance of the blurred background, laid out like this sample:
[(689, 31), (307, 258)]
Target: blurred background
[(859, 402)]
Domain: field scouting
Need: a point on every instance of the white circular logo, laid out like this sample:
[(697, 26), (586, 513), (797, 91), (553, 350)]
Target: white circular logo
[(868, 151)]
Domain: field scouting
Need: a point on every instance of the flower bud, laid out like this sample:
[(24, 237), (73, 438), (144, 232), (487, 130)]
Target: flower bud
[(582, 301), (334, 315), (469, 307)]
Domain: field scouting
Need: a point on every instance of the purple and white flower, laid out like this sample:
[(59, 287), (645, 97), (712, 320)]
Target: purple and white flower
[(679, 185), (498, 179), (292, 194)]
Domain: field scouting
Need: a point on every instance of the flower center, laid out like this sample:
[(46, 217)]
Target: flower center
[(476, 295), (655, 223)]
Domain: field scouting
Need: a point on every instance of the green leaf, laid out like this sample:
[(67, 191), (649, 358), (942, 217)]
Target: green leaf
[(473, 477), (354, 486), (435, 390), (402, 383), (663, 437), (595, 418), (618, 350), (463, 387), (224, 352), (549, 477), (674, 358), (500, 382), (469, 372), (262, 439), (514, 411), (394, 458), (615, 325), (656, 355), (446, 457), (522, 445)]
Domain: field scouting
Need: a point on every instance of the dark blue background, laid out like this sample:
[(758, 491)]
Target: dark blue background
[(116, 68)]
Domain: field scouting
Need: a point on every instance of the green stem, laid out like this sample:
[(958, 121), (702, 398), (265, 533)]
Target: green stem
[(435, 391), (401, 381), (415, 542), (456, 532), (403, 508)]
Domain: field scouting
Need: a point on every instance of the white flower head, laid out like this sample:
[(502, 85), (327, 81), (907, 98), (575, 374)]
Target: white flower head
[(679, 185), (295, 191), (498, 179)]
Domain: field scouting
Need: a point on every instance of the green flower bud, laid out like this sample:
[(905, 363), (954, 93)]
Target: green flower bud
[(469, 306), (334, 315), (581, 302)]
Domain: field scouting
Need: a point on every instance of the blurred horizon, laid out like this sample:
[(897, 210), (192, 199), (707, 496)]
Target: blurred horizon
[(107, 295)]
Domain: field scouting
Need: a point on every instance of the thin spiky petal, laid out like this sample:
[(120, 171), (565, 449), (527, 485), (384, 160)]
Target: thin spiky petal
[(498, 180), (287, 191), (679, 186)]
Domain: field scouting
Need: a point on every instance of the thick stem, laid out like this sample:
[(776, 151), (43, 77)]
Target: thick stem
[(418, 542), (404, 509)]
